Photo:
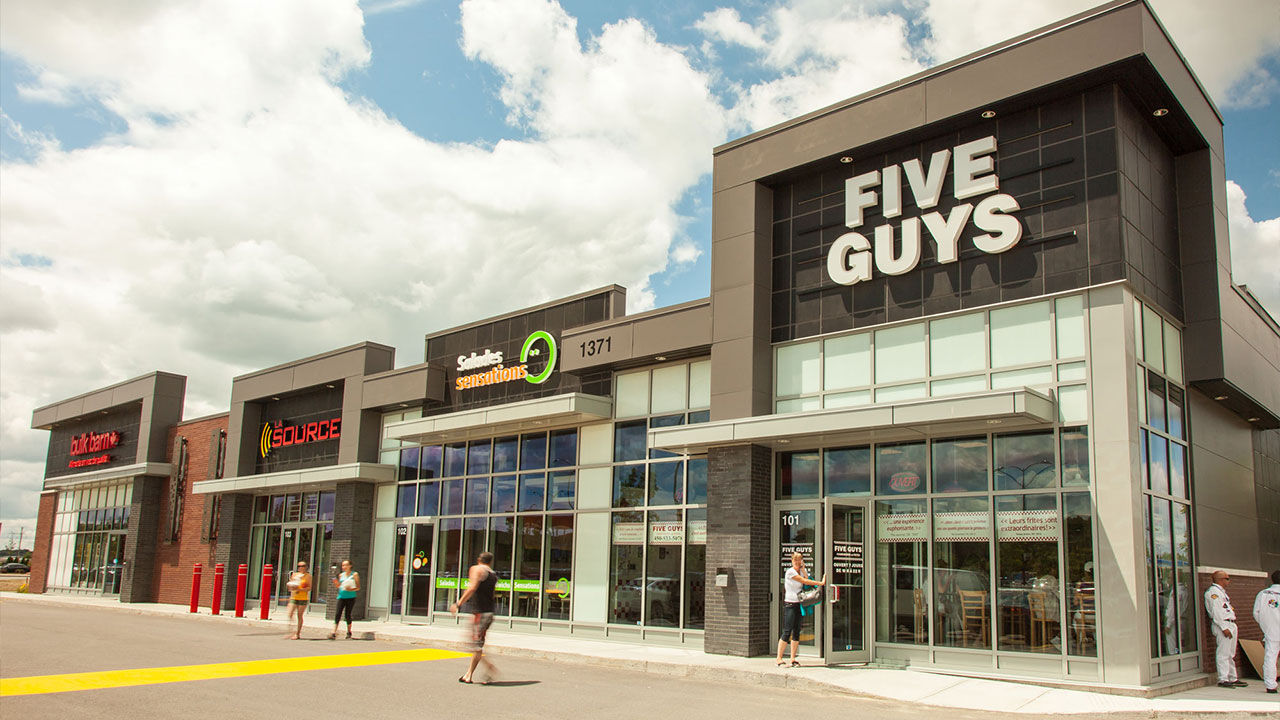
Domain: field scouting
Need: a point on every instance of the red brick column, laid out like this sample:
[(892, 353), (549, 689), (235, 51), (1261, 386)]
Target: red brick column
[(43, 542), (1243, 590)]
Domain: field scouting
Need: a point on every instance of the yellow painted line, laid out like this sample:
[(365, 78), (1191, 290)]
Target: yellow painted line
[(72, 682)]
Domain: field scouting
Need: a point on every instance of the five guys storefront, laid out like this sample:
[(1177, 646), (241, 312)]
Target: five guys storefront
[(972, 349)]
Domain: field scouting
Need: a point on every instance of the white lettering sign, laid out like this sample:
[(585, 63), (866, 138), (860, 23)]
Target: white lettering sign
[(852, 254), (475, 360)]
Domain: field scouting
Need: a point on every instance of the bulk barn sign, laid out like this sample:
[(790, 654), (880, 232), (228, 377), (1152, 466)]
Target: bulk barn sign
[(973, 166)]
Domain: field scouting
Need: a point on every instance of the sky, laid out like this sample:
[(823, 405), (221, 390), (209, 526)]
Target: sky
[(216, 186)]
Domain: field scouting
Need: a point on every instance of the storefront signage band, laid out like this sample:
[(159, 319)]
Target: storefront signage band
[(278, 435), (850, 258), (92, 442), (501, 373)]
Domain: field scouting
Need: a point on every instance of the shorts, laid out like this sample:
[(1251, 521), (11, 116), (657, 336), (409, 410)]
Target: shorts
[(480, 623), (299, 603), (791, 622)]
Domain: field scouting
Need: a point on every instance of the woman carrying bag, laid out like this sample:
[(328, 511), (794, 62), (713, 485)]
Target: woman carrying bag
[(793, 582), (348, 584)]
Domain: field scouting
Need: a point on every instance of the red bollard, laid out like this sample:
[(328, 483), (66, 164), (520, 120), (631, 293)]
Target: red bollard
[(218, 571), (266, 592), (242, 579), (195, 587)]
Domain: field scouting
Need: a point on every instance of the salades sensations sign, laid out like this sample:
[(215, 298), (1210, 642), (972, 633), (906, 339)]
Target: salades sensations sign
[(499, 373), (852, 254)]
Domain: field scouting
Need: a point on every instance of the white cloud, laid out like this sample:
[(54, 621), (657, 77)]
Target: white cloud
[(1225, 44), (685, 253), (252, 212), (725, 25), (1255, 250)]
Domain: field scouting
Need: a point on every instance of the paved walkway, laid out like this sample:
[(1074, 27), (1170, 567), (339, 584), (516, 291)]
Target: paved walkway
[(910, 685)]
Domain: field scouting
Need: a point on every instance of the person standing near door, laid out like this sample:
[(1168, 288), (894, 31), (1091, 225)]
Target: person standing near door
[(478, 600), (348, 584), (299, 587), (1222, 621), (793, 582), (1266, 610)]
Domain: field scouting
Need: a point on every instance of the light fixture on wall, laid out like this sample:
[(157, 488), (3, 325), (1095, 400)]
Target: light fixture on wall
[(660, 358), (1253, 419), (331, 386), (988, 114), (1219, 397), (994, 422), (783, 441), (1160, 112), (846, 159)]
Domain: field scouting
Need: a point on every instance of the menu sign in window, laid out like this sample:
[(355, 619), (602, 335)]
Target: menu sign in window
[(846, 563)]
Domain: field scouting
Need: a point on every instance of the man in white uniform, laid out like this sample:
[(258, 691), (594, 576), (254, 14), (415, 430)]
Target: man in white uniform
[(1266, 610), (1222, 620)]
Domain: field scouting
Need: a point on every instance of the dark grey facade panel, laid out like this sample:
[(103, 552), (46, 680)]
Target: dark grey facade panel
[(125, 422)]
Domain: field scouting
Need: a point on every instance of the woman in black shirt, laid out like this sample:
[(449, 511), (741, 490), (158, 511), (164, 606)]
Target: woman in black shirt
[(478, 600)]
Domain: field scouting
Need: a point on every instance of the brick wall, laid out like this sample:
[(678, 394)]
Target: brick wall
[(174, 559), (352, 538), (1242, 591), (43, 542), (233, 540), (738, 538), (140, 545)]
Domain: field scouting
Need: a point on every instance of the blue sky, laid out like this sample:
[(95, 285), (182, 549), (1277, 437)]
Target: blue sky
[(301, 176)]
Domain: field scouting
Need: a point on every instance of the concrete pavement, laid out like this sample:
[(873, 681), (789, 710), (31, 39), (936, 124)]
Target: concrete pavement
[(907, 685)]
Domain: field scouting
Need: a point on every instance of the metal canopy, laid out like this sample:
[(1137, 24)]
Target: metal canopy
[(538, 414), (1017, 408)]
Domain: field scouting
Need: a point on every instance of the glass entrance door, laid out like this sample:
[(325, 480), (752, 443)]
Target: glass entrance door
[(847, 591), (295, 546), (798, 533), (418, 585)]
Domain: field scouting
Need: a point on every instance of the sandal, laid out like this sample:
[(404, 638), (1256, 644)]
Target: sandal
[(795, 663), (334, 636), (461, 680), (782, 663), (348, 634)]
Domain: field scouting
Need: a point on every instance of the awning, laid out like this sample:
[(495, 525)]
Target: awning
[(539, 414), (300, 480), (999, 410), (115, 473)]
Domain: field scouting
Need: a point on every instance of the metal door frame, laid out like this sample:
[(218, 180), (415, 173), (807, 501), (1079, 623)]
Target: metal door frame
[(819, 560), (831, 655), (410, 551)]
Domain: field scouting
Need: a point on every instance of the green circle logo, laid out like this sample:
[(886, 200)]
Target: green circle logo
[(529, 349)]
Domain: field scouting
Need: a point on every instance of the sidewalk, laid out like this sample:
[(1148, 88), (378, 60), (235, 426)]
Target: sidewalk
[(911, 686)]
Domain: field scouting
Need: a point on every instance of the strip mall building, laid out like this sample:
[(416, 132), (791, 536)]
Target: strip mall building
[(972, 347)]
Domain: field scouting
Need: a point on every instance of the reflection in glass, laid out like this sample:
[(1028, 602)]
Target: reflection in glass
[(662, 583), (697, 482), (1175, 419), (960, 465), (533, 491), (564, 448), (455, 459), (408, 465), (1082, 636), (533, 451), (902, 572), (451, 496), (628, 486), (695, 569), (504, 493), (449, 575), (558, 573), (429, 498), (502, 543), (847, 471), (797, 532), (961, 566), (1155, 401), (406, 500), (629, 441), (1177, 470), (430, 459), (1157, 464), (666, 483), (1027, 569), (900, 468), (506, 451), (1184, 576), (1166, 596), (1025, 461), (477, 495), (478, 454), (561, 491), (528, 566), (797, 475), (1075, 456), (625, 568)]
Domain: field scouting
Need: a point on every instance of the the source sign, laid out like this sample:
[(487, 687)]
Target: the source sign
[(850, 258)]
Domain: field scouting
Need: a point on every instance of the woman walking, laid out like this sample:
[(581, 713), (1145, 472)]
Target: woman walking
[(348, 584), (794, 581)]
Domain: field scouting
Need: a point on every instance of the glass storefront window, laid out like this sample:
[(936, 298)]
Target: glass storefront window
[(1029, 594), (1082, 617), (695, 569), (479, 453), (1166, 611), (407, 500), (626, 563), (1155, 402), (477, 496), (962, 566), (1021, 335), (666, 483), (900, 353), (1157, 463), (900, 468), (504, 493), (1184, 577), (958, 344), (408, 464), (564, 448), (797, 369), (429, 498), (560, 494), (629, 441), (502, 543), (847, 471), (1069, 312), (628, 486), (527, 566), (697, 484), (902, 572), (449, 571), (1075, 456), (506, 452), (798, 475), (670, 389), (1025, 461), (452, 494), (846, 362), (632, 394), (1174, 416), (455, 459), (662, 581), (429, 462), (1177, 470), (960, 465), (533, 491), (533, 451), (558, 571)]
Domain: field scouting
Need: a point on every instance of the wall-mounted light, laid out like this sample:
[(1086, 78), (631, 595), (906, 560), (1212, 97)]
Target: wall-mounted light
[(1160, 112), (846, 159), (331, 386), (988, 114), (274, 397), (1219, 397), (1253, 419), (994, 422), (782, 441), (660, 358)]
